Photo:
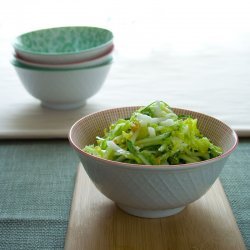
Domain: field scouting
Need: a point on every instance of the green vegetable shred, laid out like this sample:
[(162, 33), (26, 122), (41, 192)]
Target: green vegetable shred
[(154, 135)]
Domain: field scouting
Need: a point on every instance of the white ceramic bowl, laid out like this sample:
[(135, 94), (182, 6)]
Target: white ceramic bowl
[(145, 190), (63, 44), (62, 89), (95, 61)]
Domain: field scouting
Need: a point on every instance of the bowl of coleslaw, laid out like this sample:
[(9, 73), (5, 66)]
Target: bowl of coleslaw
[(152, 161)]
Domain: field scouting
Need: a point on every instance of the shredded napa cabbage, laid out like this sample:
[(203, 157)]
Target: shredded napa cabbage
[(154, 135)]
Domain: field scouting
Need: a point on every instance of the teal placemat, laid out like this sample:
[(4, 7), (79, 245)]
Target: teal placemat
[(37, 182), (36, 186), (235, 178)]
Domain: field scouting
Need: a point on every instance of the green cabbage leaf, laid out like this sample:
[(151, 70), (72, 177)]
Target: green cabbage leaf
[(154, 135)]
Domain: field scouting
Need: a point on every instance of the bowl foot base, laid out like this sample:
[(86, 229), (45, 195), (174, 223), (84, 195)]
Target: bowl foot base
[(150, 213), (63, 106)]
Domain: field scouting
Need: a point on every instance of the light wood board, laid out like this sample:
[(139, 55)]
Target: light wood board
[(96, 223), (185, 85)]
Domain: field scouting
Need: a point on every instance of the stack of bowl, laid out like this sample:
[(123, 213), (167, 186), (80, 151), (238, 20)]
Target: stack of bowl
[(64, 66)]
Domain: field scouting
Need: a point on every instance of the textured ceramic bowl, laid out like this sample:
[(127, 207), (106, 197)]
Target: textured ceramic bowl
[(62, 89), (63, 44), (145, 190), (95, 61)]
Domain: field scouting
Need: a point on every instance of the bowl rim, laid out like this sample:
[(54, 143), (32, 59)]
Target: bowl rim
[(18, 47), (104, 54), (19, 65), (110, 163)]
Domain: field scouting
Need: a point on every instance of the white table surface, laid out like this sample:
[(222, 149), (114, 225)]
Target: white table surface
[(209, 73)]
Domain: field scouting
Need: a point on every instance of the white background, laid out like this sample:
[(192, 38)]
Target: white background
[(191, 54)]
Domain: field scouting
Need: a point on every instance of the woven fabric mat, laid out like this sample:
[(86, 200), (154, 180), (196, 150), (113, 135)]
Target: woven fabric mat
[(36, 187), (235, 180)]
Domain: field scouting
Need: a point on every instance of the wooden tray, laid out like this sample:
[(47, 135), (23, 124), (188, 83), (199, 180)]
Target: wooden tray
[(96, 223), (181, 81)]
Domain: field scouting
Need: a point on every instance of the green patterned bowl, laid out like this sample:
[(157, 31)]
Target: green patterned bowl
[(63, 44)]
